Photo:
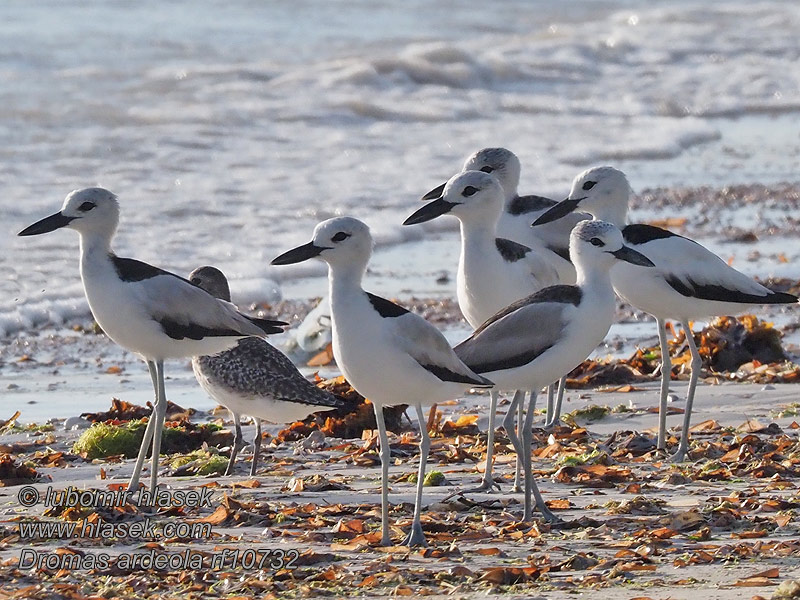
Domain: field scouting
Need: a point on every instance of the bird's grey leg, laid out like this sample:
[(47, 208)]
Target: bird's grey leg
[(417, 537), (562, 387), (133, 485), (554, 416), (256, 447), (551, 406), (237, 442), (530, 485), (160, 415), (508, 424), (386, 456), (488, 484), (527, 444), (697, 364), (519, 400), (666, 375)]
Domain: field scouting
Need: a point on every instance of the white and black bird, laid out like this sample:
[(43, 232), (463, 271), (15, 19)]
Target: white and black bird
[(493, 272), (544, 336), (147, 310), (254, 378), (388, 354), (689, 282), (552, 241)]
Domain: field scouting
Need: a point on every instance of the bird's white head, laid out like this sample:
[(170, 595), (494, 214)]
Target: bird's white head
[(88, 211), (341, 242), (596, 245), (472, 196), (500, 162), (603, 192)]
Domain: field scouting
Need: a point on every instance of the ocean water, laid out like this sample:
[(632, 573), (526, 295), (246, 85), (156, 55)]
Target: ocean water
[(229, 129)]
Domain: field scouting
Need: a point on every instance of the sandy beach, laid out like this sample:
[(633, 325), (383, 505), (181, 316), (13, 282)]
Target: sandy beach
[(722, 526)]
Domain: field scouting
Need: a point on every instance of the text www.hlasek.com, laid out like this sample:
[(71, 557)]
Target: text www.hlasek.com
[(144, 529)]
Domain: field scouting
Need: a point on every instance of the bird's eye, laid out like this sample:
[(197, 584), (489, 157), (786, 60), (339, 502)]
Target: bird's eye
[(597, 242), (195, 280), (86, 206), (487, 169), (339, 237), (469, 191), (589, 185)]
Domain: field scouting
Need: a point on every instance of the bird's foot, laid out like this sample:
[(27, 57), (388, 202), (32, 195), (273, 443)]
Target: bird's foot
[(487, 486), (551, 426), (547, 515), (680, 455), (415, 537)]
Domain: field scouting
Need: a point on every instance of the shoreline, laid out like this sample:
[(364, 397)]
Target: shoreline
[(755, 232)]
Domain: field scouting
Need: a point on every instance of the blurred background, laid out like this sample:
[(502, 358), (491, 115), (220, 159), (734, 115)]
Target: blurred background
[(228, 129)]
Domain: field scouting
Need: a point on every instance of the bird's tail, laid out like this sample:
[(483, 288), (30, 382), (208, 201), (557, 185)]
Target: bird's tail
[(780, 298), (268, 325)]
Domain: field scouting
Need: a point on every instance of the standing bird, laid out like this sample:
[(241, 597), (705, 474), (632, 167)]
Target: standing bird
[(546, 335), (550, 242), (147, 310), (493, 272), (254, 378), (689, 281), (388, 354)]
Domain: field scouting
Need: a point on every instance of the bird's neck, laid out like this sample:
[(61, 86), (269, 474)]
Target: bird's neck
[(345, 278), (615, 213), (95, 247), (479, 231), (597, 281)]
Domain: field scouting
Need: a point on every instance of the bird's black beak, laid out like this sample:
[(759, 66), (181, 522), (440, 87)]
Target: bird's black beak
[(48, 224), (562, 209), (430, 211), (435, 192), (632, 256), (299, 254)]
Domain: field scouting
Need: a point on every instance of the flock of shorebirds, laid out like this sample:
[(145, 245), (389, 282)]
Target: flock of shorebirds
[(536, 279)]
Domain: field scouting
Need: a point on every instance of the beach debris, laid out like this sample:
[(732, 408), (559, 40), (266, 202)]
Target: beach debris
[(114, 438), (125, 411), (787, 590), (432, 479), (102, 440), (744, 349), (74, 423), (344, 423), (313, 483), (590, 412), (13, 473), (9, 423), (204, 461)]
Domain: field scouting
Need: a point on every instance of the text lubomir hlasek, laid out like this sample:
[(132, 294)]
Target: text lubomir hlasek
[(161, 498)]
